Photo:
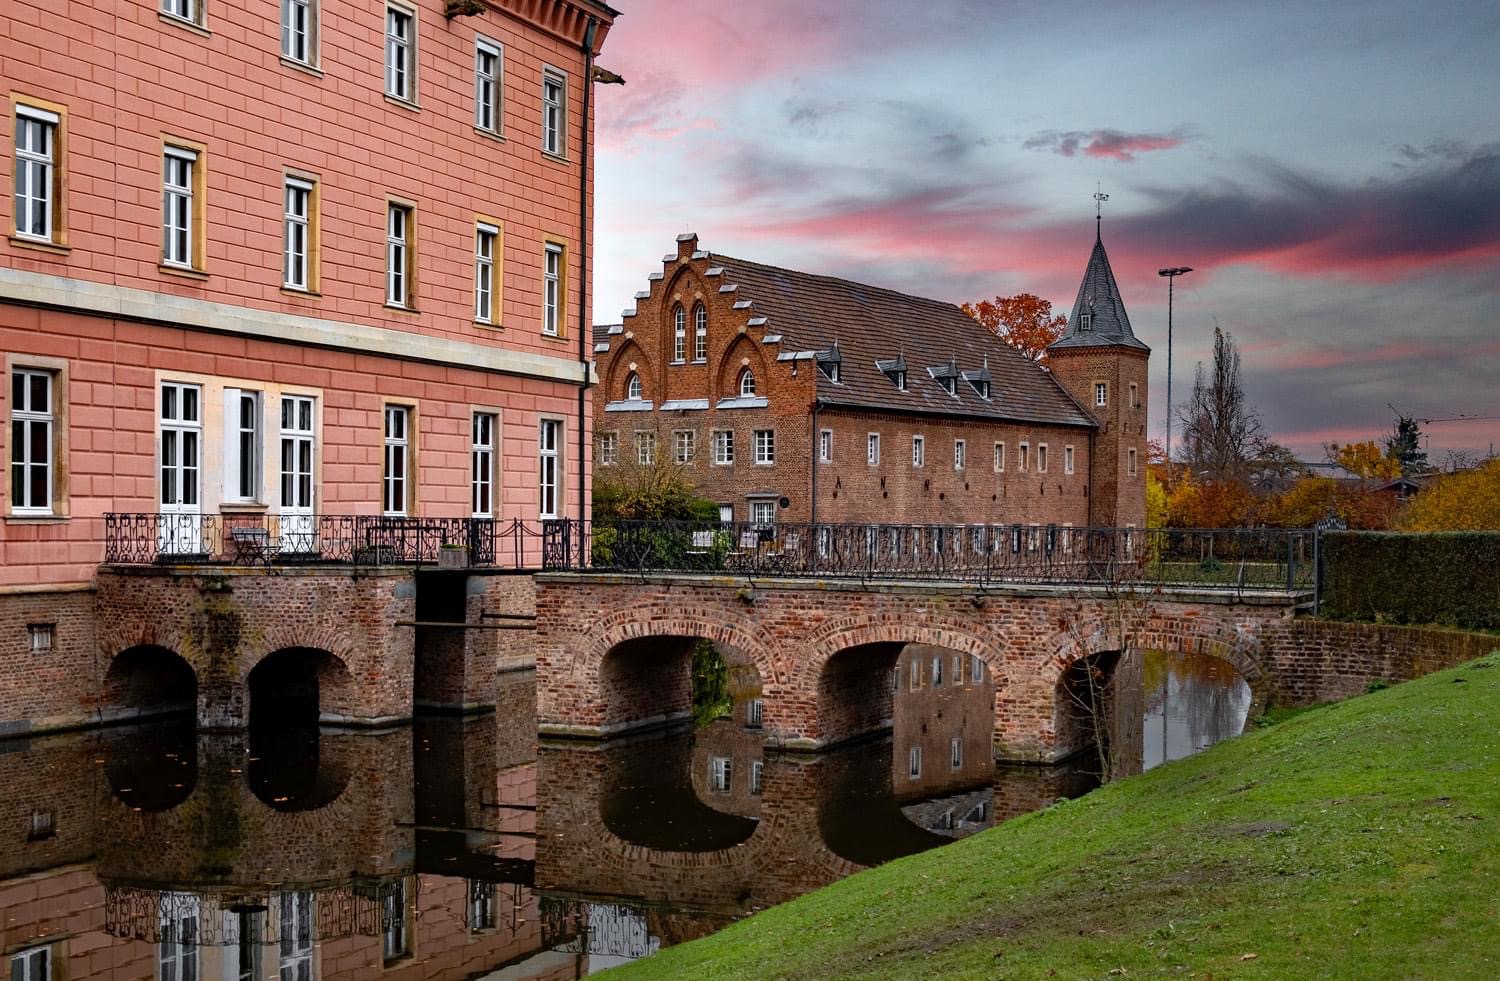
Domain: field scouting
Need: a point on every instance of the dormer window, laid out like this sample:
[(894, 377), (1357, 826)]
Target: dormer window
[(899, 377), (1086, 320), (633, 387), (747, 384), (949, 384), (981, 387), (830, 370)]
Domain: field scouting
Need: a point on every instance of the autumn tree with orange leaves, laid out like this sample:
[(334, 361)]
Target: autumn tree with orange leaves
[(1024, 321), (1365, 459)]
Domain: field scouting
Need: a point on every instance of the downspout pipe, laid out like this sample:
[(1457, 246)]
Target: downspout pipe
[(816, 449), (585, 329)]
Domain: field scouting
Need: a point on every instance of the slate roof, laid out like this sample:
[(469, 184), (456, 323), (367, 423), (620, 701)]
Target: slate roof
[(868, 325), (1100, 294)]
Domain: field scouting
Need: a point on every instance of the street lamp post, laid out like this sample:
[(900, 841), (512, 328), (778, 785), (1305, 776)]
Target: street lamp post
[(1171, 272)]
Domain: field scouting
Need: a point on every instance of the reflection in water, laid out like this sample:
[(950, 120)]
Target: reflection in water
[(457, 846)]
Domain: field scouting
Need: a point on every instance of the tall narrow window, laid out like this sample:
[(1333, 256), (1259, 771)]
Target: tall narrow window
[(1130, 464), (482, 458), (747, 384), (999, 457), (1041, 458), (296, 474), (872, 448), (37, 183), (554, 112), (550, 460), (481, 906), (937, 672), (400, 45), (916, 673), (719, 773), (1135, 396), (1022, 452), (685, 442), (31, 430), (679, 334), (976, 669), (181, 447), (397, 459), (757, 776), (918, 451), (1067, 459), (177, 953), (956, 752), (297, 240), (1101, 393), (960, 454), (242, 448), (633, 390), (700, 333), (825, 446), (552, 290), (299, 25), (723, 447), (914, 762), (485, 278), (295, 947), (398, 256), (487, 73), (645, 449), (609, 449), (178, 207)]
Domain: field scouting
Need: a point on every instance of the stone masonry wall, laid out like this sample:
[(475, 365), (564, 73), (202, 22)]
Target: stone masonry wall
[(48, 689), (1320, 661)]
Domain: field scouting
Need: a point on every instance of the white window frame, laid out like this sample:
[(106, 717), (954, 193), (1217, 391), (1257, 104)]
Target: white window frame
[(489, 85), (825, 446), (1101, 394), (755, 712), (918, 451), (937, 671), (976, 669), (915, 673), (645, 448), (633, 389), (720, 773), (297, 465), (723, 440), (684, 445), (872, 449), (482, 455), (757, 776), (398, 264), (23, 456), (765, 447), (746, 384), (486, 238), (296, 267), (177, 211), (549, 468), (1023, 450), (294, 947), (763, 513), (1041, 458), (306, 32), (679, 335), (242, 476), (39, 165), (609, 449), (401, 52), (181, 938), (554, 112), (187, 11), (33, 964), (396, 472), (395, 941), (914, 763), (700, 332), (956, 752), (960, 454), (1000, 456), (552, 300), (1068, 458)]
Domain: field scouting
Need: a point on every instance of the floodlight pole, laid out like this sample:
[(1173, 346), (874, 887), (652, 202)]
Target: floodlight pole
[(1171, 273)]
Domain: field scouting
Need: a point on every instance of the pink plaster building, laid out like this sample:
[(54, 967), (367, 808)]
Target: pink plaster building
[(293, 258)]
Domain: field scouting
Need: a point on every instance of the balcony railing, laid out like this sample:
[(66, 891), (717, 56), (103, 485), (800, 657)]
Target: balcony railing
[(1242, 559), (293, 539)]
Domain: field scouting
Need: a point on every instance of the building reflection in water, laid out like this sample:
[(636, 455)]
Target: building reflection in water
[(456, 848)]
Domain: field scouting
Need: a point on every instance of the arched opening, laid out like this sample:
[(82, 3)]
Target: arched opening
[(745, 387), (147, 681), (1138, 708), (856, 692), (859, 817), (298, 686), (669, 680), (649, 798), (153, 767), (294, 767)]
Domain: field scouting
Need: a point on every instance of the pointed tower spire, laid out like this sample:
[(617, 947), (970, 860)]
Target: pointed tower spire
[(1098, 318)]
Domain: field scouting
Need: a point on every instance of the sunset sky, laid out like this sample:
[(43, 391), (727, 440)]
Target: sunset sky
[(1330, 170)]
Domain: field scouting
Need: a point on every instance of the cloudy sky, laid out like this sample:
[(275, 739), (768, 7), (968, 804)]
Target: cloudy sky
[(1330, 170)]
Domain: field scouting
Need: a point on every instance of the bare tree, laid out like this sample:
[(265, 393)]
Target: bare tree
[(1222, 437)]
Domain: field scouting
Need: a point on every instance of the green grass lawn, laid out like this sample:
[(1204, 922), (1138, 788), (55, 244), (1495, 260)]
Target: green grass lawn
[(1358, 841)]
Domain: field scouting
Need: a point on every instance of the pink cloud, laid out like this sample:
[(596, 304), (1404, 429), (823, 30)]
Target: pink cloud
[(1107, 144)]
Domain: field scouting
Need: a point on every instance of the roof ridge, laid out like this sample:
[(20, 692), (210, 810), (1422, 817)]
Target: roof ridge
[(726, 260)]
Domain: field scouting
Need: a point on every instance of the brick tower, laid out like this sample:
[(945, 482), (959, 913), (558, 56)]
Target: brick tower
[(1103, 365)]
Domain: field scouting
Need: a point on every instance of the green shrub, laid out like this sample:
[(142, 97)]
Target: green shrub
[(1450, 578)]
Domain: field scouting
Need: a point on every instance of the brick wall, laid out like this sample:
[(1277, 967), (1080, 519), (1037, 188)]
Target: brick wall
[(48, 689), (1320, 661), (931, 713), (1119, 497)]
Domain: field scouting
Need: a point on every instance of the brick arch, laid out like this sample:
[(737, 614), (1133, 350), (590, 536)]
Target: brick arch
[(618, 372), (727, 376), (333, 672)]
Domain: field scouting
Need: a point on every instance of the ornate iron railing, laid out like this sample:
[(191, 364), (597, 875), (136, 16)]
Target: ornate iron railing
[(1239, 558), (289, 539)]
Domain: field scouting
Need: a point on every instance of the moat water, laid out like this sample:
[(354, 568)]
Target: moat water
[(459, 848)]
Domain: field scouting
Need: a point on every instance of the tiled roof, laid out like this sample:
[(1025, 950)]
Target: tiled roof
[(1099, 295), (869, 325)]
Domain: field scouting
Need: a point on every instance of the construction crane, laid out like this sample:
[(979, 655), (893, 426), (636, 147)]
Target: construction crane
[(1426, 422)]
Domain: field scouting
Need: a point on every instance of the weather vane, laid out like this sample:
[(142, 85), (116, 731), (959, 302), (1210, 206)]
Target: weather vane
[(1099, 198)]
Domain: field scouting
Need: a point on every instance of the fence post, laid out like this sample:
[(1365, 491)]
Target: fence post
[(1291, 562), (1317, 571)]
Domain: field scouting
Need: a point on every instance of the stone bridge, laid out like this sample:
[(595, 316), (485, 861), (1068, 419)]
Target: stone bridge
[(613, 651)]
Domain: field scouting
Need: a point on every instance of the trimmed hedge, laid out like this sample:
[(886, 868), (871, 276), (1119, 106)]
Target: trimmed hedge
[(1449, 578)]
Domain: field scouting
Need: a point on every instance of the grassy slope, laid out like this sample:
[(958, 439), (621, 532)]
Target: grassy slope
[(1360, 840)]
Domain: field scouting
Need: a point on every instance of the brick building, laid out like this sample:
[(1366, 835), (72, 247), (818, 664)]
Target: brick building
[(282, 260), (797, 397)]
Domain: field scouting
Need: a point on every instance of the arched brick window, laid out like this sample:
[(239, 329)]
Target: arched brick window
[(747, 384), (679, 335), (700, 333), (633, 387)]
